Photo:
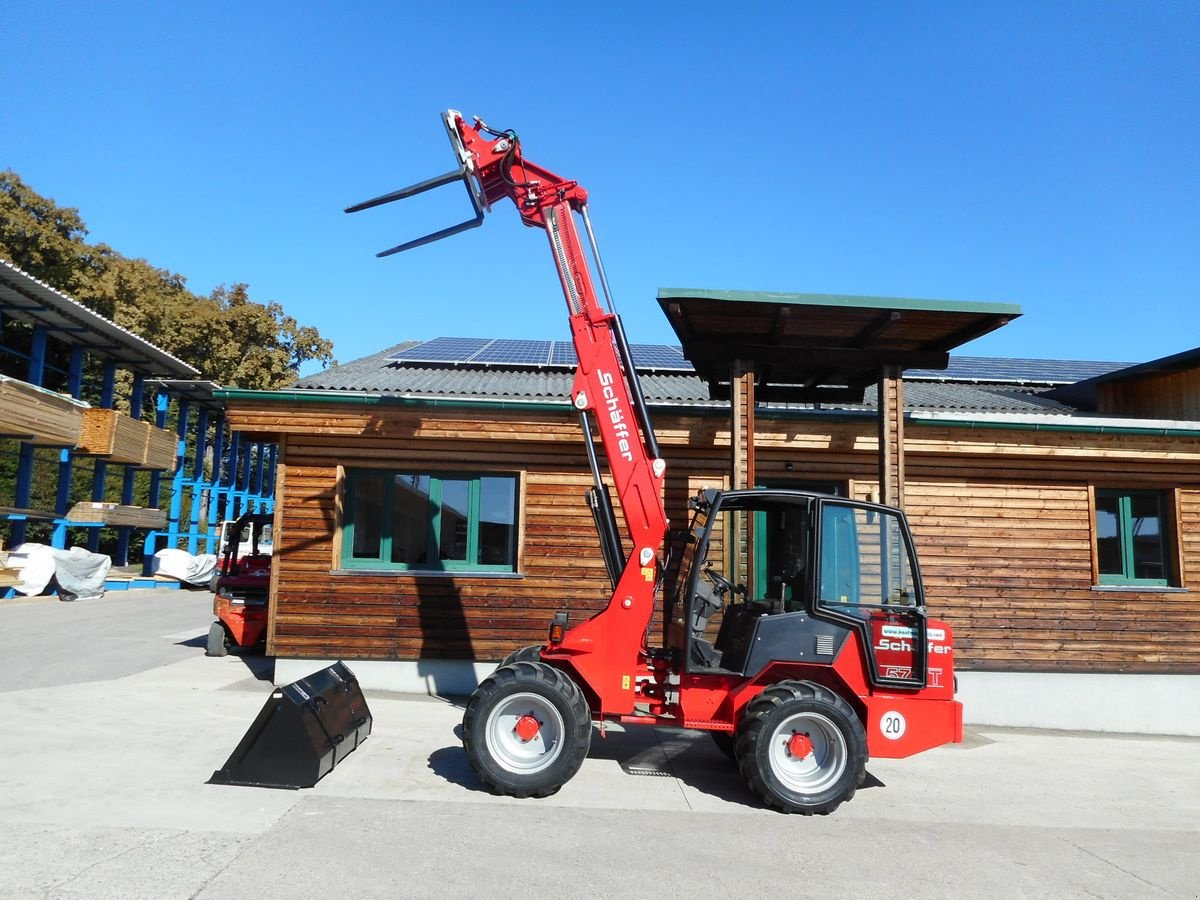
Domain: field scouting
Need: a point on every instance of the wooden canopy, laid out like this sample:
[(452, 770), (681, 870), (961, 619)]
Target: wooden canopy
[(813, 348), (820, 347)]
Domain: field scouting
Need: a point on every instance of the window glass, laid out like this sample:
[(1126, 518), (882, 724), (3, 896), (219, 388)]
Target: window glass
[(429, 521), (1108, 534), (864, 559), (412, 517), (367, 515), (1131, 537), (1145, 520), (456, 510), (497, 521)]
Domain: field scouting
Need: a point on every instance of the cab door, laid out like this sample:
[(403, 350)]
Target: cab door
[(867, 577)]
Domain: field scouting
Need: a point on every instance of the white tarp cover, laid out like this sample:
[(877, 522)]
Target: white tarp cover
[(78, 573), (175, 563)]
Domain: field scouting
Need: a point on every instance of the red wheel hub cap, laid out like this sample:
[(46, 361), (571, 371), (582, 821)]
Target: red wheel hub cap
[(799, 746), (527, 728)]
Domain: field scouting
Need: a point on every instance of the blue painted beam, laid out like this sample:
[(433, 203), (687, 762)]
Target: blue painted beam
[(199, 483), (26, 455), (100, 467), (129, 476), (62, 495)]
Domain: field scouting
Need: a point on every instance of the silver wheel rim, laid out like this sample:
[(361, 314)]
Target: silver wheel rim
[(820, 769), (514, 754)]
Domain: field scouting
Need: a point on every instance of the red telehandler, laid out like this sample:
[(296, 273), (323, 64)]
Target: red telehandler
[(796, 631)]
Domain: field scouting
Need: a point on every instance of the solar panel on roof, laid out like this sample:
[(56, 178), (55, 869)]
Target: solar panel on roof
[(659, 356), (443, 350), (564, 355), (1057, 371), (515, 353)]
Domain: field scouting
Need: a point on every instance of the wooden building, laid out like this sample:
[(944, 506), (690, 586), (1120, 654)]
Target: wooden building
[(430, 516)]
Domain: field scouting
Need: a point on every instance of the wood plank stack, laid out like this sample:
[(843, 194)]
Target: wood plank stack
[(9, 577), (113, 435), (115, 514), (159, 450), (38, 416)]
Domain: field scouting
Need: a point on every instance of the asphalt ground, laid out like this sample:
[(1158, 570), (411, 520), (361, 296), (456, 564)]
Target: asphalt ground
[(113, 720)]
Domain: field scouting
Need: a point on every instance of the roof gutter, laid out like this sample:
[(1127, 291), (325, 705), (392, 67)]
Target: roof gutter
[(375, 398), (1097, 425)]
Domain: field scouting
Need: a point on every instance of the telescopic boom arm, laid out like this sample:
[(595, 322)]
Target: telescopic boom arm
[(606, 387)]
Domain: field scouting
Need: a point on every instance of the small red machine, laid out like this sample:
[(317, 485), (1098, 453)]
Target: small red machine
[(796, 631), (242, 585)]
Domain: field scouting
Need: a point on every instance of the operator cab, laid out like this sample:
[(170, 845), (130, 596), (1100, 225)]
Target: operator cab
[(787, 576)]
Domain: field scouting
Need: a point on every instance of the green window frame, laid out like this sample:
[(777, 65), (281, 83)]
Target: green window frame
[(429, 522), (1133, 545)]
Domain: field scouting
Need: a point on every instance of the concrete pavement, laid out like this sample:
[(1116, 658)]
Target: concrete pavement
[(103, 794)]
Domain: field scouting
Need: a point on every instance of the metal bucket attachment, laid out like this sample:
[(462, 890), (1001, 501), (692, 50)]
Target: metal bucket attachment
[(303, 731)]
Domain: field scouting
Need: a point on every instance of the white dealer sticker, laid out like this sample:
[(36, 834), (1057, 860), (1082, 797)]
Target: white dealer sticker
[(892, 725)]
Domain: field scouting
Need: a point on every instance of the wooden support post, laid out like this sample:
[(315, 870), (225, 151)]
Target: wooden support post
[(741, 437), (891, 437)]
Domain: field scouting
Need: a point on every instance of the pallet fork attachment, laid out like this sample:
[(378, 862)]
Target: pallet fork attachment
[(464, 173)]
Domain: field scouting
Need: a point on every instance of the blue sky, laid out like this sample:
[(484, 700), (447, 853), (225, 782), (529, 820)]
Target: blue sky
[(1043, 154)]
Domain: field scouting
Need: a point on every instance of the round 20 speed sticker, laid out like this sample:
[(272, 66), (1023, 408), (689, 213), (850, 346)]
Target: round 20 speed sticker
[(892, 725)]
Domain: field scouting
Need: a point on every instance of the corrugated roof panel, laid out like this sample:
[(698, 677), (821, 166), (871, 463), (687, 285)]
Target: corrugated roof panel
[(28, 299), (1025, 371)]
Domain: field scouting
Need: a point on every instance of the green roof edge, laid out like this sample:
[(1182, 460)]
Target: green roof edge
[(845, 300)]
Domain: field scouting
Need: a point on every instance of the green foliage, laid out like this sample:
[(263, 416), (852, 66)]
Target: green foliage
[(230, 338)]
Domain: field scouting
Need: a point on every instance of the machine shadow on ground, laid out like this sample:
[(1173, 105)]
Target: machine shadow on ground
[(689, 757), (261, 667)]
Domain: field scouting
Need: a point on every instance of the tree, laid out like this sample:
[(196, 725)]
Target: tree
[(230, 338)]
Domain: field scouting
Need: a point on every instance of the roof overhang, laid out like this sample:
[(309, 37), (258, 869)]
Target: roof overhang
[(24, 298), (197, 392), (819, 347)]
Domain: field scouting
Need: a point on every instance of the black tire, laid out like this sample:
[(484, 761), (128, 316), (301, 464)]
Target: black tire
[(801, 748), (218, 641), (538, 697), (726, 743), (532, 653)]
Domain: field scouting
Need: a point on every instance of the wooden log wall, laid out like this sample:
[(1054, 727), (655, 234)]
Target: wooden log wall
[(1170, 395), (1002, 520)]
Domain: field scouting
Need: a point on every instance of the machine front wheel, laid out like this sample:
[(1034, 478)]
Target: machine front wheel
[(527, 730), (218, 640), (532, 653), (801, 748)]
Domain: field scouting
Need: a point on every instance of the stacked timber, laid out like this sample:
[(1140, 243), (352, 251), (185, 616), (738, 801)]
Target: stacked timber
[(9, 577), (38, 416), (159, 450), (115, 514), (113, 435)]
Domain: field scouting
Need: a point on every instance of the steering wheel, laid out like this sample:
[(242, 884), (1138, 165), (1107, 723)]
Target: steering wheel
[(721, 584)]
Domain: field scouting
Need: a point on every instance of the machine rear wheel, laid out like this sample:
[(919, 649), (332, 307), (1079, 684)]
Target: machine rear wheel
[(527, 730), (532, 653), (801, 748)]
